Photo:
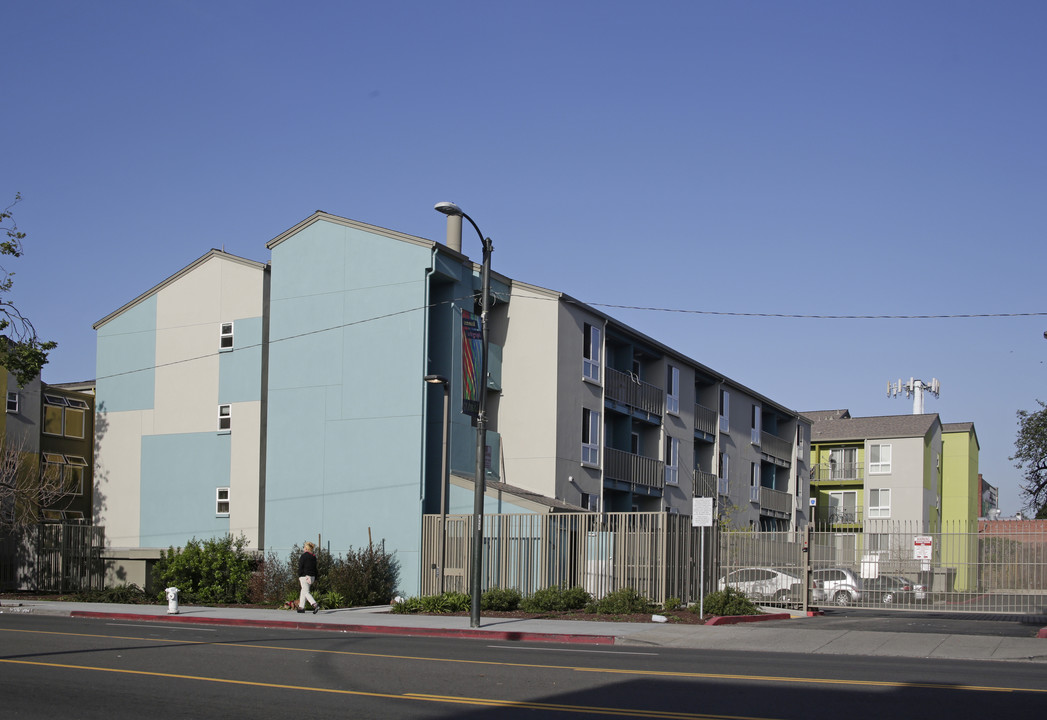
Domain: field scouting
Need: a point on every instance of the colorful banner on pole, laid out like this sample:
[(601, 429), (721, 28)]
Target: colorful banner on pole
[(472, 357)]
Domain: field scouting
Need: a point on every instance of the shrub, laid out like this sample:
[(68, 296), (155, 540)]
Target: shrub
[(553, 599), (624, 601), (673, 603), (500, 600), (367, 576), (217, 570), (124, 594), (728, 601)]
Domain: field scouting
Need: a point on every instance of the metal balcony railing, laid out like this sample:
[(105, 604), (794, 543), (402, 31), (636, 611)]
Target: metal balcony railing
[(705, 419), (704, 484), (628, 390), (776, 500), (838, 471), (776, 447), (634, 469)]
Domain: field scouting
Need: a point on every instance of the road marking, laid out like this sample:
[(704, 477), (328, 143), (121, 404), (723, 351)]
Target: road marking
[(572, 650), (449, 699), (610, 671)]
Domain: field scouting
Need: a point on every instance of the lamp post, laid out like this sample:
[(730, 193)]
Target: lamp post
[(440, 380), (452, 210)]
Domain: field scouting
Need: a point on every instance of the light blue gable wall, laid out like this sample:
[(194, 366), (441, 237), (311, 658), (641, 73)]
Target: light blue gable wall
[(240, 371), (346, 360), (180, 474), (126, 355)]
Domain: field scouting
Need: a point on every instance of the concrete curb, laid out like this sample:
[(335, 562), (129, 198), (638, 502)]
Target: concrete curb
[(473, 633), (737, 619)]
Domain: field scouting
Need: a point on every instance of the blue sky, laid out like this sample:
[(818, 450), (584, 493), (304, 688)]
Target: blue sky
[(796, 158)]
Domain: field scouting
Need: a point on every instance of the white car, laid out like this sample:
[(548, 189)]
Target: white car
[(762, 583)]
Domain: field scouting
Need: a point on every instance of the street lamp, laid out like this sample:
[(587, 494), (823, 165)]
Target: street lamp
[(441, 380), (452, 210)]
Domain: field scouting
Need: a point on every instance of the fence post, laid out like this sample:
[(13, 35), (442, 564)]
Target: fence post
[(806, 568)]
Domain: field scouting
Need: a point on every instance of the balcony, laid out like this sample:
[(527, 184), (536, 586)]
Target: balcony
[(840, 516), (705, 422), (636, 397), (842, 472), (704, 484), (776, 447), (634, 470), (776, 501)]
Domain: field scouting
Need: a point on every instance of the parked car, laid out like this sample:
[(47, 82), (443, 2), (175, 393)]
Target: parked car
[(889, 589), (841, 585), (762, 583)]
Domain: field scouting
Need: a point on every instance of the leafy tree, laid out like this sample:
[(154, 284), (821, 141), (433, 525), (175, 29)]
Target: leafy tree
[(1030, 454), (22, 352)]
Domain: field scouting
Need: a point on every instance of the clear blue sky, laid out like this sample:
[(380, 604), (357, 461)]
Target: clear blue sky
[(802, 158)]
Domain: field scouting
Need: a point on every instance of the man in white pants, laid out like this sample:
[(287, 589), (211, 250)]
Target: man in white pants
[(307, 576)]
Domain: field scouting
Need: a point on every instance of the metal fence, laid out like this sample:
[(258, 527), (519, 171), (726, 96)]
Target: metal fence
[(897, 566), (51, 557), (889, 565), (652, 553)]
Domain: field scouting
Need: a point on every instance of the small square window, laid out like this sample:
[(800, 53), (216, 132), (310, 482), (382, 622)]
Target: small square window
[(225, 337), (12, 402), (225, 419), (221, 507)]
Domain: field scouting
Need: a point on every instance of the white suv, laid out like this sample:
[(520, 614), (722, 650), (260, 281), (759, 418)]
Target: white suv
[(760, 583), (841, 585)]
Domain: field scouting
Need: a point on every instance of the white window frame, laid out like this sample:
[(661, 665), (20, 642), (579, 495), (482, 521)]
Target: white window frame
[(879, 503), (225, 418), (221, 497), (725, 410), (55, 401), (591, 501), (756, 424), (672, 460), (880, 466), (590, 437), (592, 347), (225, 337), (12, 402), (840, 496), (754, 482), (76, 465), (672, 389)]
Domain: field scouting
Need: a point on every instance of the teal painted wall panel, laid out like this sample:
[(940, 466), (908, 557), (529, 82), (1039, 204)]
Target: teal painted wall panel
[(346, 392), (125, 359), (180, 474), (240, 371)]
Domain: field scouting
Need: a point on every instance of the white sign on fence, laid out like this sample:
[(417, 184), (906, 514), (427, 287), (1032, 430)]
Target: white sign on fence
[(921, 547), (702, 512)]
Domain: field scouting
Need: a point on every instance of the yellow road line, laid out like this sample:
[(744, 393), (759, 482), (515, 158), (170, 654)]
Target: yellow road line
[(483, 702), (610, 671)]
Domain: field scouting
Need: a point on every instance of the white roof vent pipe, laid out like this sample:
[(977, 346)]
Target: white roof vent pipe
[(454, 232)]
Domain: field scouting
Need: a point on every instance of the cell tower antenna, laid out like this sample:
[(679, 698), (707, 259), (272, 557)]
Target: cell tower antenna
[(914, 389)]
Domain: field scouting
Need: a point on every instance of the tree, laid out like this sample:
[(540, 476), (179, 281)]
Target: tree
[(1030, 454), (22, 352), (24, 489)]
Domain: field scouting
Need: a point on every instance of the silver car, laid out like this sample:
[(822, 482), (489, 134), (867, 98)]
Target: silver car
[(841, 585)]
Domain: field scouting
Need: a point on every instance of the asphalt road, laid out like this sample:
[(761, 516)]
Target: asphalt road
[(57, 667)]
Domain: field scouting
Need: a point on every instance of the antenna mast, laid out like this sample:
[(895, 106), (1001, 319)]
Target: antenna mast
[(914, 389)]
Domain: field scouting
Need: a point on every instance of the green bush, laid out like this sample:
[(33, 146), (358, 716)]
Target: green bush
[(500, 600), (214, 571), (362, 577), (555, 599), (728, 601), (625, 601), (673, 603)]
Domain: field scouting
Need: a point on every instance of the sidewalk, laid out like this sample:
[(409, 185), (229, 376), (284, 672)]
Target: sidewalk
[(798, 634)]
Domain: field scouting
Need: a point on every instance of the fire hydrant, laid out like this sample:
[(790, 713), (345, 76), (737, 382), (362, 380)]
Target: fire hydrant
[(172, 600)]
